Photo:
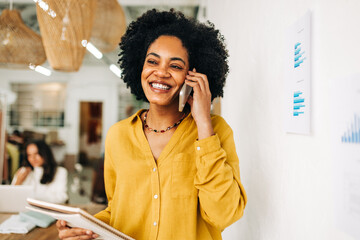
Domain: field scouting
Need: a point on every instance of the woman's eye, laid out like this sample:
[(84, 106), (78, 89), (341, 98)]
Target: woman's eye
[(176, 67), (151, 61)]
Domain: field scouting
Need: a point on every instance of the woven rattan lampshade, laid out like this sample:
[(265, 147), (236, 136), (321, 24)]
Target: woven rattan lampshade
[(109, 25), (65, 26), (19, 45)]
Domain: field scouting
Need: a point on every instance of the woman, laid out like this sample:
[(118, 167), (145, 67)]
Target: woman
[(171, 174), (41, 171)]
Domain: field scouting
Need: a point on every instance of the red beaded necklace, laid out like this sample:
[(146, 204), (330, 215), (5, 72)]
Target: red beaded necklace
[(161, 131)]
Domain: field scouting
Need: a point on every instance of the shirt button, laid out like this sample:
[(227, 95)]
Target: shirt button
[(154, 169), (155, 196), (155, 223), (198, 148)]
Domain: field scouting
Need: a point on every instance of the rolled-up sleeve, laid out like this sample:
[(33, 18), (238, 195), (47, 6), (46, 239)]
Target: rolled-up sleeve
[(221, 195)]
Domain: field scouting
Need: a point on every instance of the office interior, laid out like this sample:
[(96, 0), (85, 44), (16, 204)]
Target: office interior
[(290, 178)]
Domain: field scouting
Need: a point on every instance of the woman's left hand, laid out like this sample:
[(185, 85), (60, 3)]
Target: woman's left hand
[(200, 102)]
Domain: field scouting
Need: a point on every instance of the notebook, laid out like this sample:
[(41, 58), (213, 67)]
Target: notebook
[(13, 198), (76, 217)]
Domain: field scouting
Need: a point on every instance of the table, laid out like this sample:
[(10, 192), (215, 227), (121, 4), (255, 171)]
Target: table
[(49, 233)]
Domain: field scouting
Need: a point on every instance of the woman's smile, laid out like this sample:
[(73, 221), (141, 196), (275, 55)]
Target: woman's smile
[(159, 86)]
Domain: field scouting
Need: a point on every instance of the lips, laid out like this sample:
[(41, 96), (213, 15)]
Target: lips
[(160, 86)]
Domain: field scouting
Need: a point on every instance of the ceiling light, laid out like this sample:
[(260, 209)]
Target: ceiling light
[(115, 70), (40, 69), (94, 51)]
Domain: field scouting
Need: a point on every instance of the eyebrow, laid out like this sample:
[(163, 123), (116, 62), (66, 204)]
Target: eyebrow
[(172, 59)]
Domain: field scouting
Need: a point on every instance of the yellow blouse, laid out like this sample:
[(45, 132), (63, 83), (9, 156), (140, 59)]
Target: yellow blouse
[(193, 191)]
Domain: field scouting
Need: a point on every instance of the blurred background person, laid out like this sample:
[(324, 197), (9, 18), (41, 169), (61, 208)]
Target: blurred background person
[(41, 171)]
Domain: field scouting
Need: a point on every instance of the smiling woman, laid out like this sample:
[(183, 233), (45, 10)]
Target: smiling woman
[(204, 45), (171, 174), (164, 71)]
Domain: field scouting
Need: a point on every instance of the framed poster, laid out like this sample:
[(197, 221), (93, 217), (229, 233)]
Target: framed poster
[(297, 76)]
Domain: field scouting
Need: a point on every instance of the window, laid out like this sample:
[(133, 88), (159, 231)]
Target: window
[(38, 105)]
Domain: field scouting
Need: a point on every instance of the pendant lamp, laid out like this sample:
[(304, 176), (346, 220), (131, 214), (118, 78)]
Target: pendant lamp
[(19, 45), (109, 26), (65, 27)]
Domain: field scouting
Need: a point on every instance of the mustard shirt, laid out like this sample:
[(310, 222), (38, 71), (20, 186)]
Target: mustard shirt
[(193, 191)]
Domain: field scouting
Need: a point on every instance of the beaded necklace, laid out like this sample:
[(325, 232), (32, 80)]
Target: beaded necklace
[(161, 131)]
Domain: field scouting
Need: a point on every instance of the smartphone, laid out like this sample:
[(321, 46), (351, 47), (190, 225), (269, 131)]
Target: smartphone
[(183, 96)]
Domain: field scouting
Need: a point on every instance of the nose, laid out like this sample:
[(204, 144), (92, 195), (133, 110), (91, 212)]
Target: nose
[(162, 71)]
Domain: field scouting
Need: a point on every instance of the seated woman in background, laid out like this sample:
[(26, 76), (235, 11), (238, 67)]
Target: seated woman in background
[(41, 171)]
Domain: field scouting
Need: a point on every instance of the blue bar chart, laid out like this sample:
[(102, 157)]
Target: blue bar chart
[(352, 134), (298, 56), (345, 151), (297, 108), (298, 104)]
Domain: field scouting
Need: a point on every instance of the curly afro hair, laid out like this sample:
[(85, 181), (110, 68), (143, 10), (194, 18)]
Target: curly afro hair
[(204, 43)]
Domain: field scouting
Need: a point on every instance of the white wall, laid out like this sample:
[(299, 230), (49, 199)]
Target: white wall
[(288, 177)]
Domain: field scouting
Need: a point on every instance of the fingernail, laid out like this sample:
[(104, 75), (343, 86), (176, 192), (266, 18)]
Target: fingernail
[(95, 235), (88, 232)]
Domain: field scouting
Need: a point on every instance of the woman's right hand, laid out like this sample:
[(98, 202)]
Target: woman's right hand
[(68, 233), (21, 175)]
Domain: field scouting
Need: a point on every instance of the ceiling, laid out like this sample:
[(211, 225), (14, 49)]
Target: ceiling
[(132, 9)]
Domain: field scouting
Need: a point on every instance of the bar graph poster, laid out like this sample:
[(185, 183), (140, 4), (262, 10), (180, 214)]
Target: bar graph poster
[(297, 76), (345, 134)]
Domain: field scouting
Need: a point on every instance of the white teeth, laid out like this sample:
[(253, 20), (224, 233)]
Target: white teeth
[(160, 86)]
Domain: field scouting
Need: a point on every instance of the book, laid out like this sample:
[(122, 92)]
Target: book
[(39, 219), (76, 217)]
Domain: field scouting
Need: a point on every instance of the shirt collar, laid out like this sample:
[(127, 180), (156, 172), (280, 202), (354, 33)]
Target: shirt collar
[(136, 115)]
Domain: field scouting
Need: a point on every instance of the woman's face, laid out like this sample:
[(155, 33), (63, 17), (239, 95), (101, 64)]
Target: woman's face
[(165, 68), (33, 156)]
